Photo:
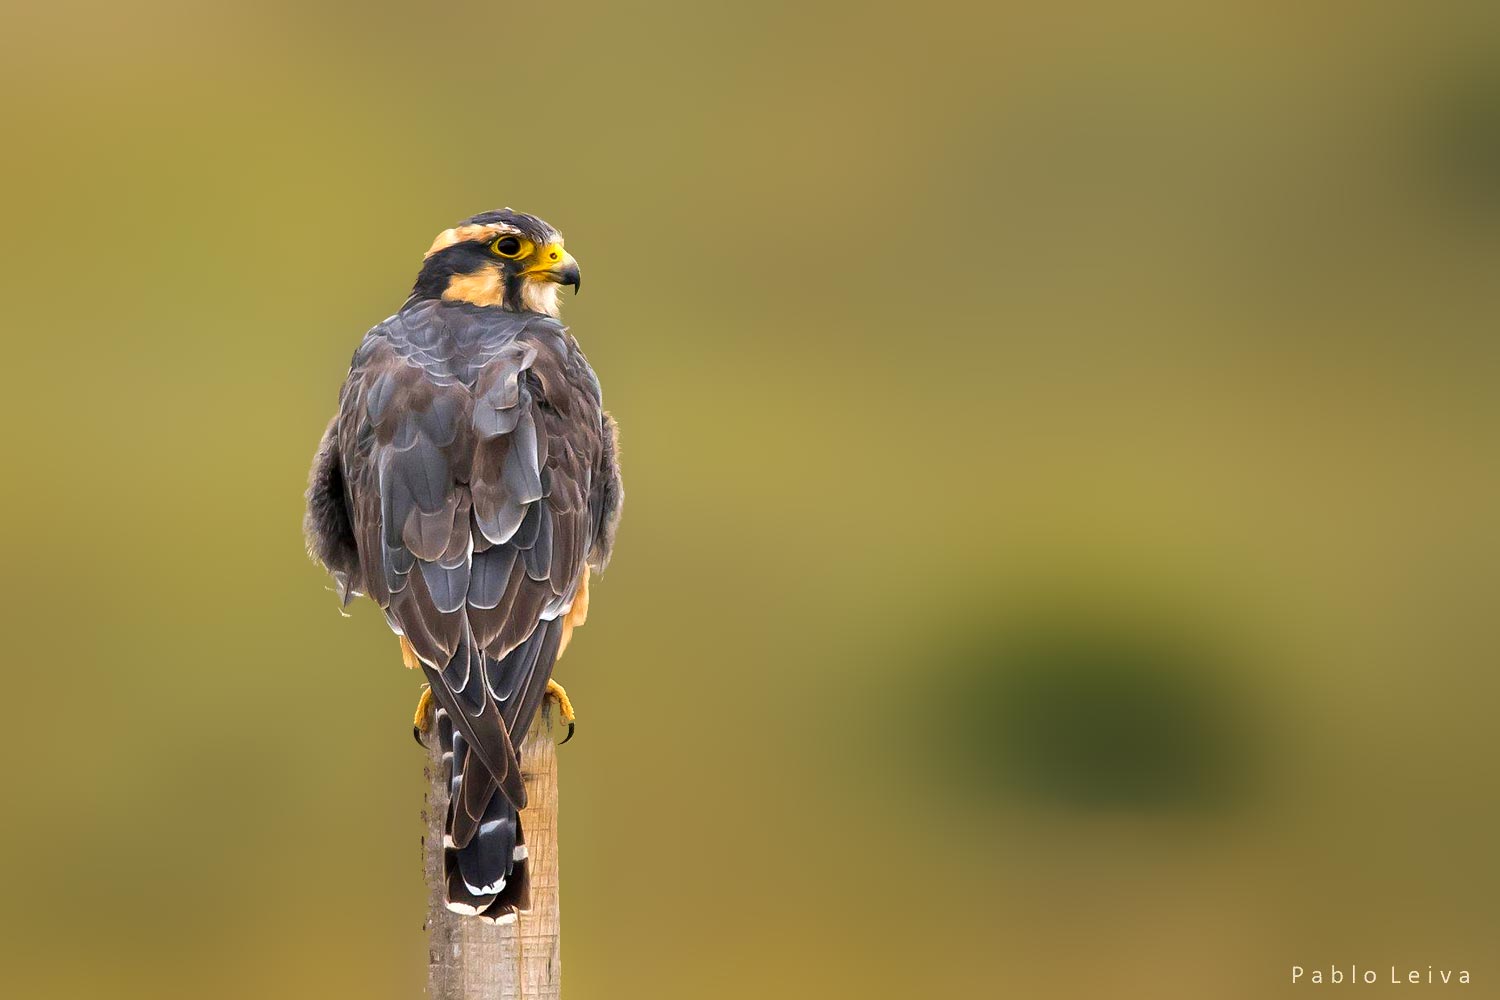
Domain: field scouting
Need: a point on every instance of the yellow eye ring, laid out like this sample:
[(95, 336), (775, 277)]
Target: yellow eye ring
[(509, 247)]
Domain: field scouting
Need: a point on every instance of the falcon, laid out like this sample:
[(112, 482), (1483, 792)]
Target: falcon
[(469, 484)]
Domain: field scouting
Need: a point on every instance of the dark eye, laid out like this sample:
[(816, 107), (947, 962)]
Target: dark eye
[(507, 246)]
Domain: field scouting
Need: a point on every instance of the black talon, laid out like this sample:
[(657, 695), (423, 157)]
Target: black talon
[(570, 734), (416, 734)]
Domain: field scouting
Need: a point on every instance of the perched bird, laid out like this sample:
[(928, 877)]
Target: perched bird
[(469, 484)]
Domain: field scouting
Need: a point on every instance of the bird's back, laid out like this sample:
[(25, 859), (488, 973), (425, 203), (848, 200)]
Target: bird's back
[(453, 342)]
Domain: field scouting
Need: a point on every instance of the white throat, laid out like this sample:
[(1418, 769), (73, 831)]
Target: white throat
[(541, 296)]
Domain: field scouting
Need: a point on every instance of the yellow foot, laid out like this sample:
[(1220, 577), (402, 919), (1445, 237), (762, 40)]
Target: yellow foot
[(556, 692), (422, 720)]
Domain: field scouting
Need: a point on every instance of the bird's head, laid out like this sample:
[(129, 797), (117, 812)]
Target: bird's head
[(507, 259)]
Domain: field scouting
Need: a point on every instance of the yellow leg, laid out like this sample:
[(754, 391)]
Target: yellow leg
[(556, 692), (422, 720), (575, 617)]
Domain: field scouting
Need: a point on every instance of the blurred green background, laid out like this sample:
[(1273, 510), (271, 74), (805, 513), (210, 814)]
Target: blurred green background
[(1060, 451)]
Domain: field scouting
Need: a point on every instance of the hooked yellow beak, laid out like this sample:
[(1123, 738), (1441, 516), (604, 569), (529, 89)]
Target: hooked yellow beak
[(553, 263)]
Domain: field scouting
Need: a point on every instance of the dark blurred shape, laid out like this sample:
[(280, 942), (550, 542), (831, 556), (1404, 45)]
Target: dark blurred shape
[(1457, 131), (1092, 711)]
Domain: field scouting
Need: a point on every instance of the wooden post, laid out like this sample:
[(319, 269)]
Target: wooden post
[(468, 959)]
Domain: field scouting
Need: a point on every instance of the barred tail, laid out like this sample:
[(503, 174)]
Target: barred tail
[(485, 867)]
